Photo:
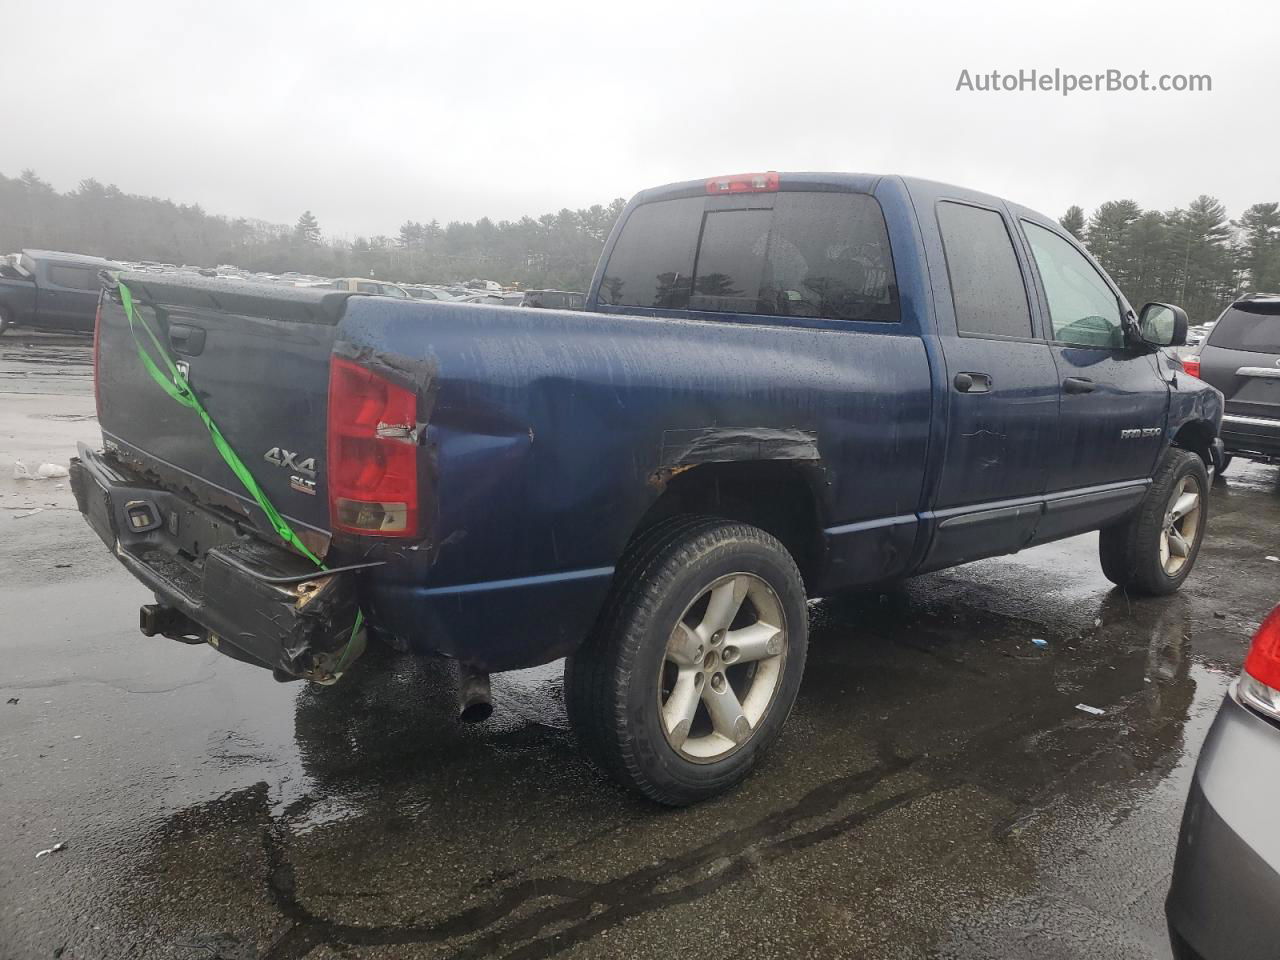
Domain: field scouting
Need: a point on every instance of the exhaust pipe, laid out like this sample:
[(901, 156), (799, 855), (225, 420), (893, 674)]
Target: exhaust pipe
[(475, 703)]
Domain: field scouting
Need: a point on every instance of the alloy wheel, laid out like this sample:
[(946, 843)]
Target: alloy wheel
[(722, 667), (1181, 524)]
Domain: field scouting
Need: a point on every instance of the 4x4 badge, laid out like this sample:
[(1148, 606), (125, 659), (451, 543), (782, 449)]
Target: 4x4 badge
[(284, 458)]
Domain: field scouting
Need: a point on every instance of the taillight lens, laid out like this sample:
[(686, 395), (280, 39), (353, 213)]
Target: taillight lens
[(744, 183), (1260, 682), (373, 453), (1191, 365)]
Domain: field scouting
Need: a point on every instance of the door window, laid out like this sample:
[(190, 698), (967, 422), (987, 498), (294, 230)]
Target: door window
[(1083, 309), (987, 287)]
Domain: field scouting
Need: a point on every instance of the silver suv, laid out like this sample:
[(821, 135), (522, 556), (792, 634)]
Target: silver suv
[(1241, 357)]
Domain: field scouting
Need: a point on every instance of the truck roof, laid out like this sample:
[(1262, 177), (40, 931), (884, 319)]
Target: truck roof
[(852, 182)]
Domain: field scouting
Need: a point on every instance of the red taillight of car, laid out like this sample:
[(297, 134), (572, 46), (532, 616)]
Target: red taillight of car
[(744, 183), (1191, 365), (97, 353), (1260, 682), (373, 453)]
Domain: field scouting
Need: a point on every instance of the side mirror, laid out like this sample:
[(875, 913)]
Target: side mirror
[(1163, 325)]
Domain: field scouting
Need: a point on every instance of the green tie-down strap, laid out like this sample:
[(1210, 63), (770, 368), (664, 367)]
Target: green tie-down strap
[(176, 386)]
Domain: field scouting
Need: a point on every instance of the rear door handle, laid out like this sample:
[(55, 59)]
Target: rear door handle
[(186, 339), (973, 382), (1078, 385)]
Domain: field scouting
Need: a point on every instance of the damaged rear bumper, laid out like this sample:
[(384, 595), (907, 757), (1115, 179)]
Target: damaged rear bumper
[(216, 582)]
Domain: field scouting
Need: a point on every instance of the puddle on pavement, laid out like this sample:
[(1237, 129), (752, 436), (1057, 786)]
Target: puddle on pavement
[(912, 698)]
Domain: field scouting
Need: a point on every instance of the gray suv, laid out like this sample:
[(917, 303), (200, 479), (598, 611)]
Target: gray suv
[(1242, 359)]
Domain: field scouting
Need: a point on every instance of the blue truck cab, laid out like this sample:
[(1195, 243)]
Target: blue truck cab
[(45, 289), (782, 386)]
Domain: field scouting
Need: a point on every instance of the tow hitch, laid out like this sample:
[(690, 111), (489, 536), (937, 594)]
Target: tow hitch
[(157, 619)]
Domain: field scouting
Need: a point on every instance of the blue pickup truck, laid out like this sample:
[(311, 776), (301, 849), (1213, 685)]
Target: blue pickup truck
[(44, 289), (783, 385)]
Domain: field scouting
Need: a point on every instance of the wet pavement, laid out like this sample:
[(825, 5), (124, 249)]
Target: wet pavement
[(936, 792)]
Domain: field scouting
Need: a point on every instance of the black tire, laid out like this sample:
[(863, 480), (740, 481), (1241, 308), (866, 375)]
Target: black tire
[(5, 321), (1226, 462), (1131, 551), (613, 682)]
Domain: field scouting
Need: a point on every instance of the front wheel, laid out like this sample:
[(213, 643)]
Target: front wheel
[(696, 660), (1153, 551)]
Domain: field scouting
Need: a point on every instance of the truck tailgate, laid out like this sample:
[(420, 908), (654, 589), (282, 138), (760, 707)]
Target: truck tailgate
[(258, 359)]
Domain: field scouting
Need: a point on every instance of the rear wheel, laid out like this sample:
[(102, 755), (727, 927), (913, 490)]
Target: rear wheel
[(695, 662), (1226, 462), (5, 320), (1154, 550)]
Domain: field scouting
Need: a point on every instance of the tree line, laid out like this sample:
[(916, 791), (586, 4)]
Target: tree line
[(1194, 256), (553, 250)]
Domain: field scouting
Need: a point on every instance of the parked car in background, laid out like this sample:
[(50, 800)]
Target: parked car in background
[(513, 299), (787, 385), (376, 288), (9, 267), (50, 290), (554, 299), (1241, 357), (419, 292), (1223, 901)]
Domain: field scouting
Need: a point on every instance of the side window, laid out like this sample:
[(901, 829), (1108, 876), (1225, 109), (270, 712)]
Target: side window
[(987, 288), (364, 286), (1082, 308), (77, 278)]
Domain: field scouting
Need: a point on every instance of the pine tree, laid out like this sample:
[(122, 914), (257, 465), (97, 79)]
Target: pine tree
[(1260, 246), (1073, 222), (1108, 238), (1200, 257), (33, 183), (307, 229)]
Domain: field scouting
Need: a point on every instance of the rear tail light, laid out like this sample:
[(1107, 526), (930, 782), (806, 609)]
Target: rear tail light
[(373, 453), (1260, 682), (1191, 365), (744, 183)]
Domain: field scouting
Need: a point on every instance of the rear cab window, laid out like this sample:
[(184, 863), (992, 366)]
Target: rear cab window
[(1242, 328), (74, 278), (788, 254)]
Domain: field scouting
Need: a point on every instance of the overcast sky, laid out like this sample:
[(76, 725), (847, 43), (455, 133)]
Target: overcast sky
[(370, 114)]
